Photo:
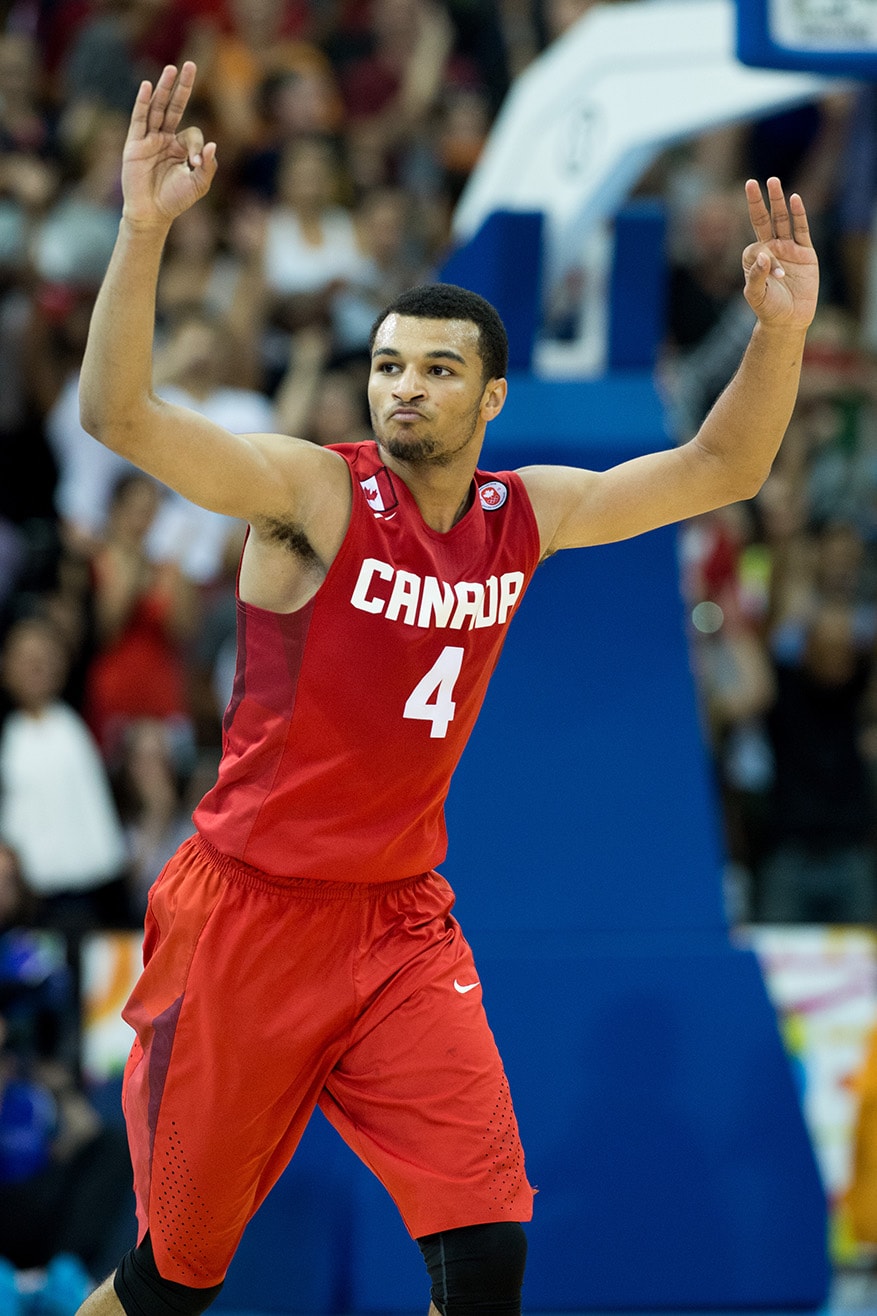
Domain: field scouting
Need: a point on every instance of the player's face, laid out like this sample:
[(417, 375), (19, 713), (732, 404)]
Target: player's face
[(427, 394)]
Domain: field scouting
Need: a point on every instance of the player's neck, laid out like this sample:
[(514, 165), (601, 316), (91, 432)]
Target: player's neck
[(443, 495)]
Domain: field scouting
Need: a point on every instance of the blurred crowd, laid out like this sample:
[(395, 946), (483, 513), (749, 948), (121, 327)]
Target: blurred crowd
[(346, 130), (781, 589)]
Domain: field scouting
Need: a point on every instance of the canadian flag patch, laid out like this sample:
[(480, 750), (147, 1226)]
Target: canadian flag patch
[(379, 491)]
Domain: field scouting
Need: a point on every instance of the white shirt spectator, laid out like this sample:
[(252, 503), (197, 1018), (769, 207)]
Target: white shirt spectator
[(183, 532), (191, 536), (87, 470), (294, 265), (56, 809)]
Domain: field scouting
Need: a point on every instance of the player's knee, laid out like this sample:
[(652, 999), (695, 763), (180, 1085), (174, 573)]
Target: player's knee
[(143, 1292), (477, 1270)]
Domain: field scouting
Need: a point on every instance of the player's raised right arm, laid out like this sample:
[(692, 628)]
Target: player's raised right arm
[(164, 171)]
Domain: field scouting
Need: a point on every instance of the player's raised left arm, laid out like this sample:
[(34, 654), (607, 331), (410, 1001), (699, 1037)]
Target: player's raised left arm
[(731, 455)]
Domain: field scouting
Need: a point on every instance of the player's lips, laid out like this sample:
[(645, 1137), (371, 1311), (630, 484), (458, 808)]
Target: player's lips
[(406, 413)]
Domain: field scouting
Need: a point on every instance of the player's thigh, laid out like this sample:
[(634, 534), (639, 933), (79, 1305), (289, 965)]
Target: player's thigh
[(236, 1018), (422, 1097)]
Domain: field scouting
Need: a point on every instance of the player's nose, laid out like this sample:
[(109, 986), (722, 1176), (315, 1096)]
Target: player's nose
[(408, 385)]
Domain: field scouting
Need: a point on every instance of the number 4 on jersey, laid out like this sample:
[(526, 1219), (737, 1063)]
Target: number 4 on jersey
[(430, 700)]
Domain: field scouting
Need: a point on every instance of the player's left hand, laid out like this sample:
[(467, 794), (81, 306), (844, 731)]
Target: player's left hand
[(780, 268)]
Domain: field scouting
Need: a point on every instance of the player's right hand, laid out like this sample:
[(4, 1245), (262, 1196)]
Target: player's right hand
[(164, 171)]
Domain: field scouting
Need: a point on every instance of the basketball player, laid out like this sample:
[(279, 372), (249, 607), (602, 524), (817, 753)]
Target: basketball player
[(300, 948)]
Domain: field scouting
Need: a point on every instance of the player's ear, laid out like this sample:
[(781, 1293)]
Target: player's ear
[(493, 398)]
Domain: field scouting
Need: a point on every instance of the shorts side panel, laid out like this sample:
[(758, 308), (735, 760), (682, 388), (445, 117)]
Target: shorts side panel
[(179, 904), (421, 1094), (243, 1009)]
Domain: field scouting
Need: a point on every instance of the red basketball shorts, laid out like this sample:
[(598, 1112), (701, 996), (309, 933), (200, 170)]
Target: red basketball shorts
[(261, 998)]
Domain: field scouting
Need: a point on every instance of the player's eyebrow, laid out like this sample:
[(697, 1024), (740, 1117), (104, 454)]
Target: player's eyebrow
[(435, 355)]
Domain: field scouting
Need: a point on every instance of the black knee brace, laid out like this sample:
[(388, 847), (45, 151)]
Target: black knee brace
[(478, 1270), (143, 1292)]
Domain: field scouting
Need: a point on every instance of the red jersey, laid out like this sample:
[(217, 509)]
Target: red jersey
[(348, 717)]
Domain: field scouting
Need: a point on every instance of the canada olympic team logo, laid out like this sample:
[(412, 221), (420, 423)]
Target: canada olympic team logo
[(492, 494)]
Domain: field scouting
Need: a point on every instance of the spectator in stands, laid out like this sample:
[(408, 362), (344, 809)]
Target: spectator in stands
[(392, 258), (194, 364), (37, 999), (310, 350), (310, 242), (391, 92), (194, 367), (300, 101), (26, 120), (56, 808), (73, 244), (709, 321), (150, 793), (87, 473), (338, 414), (143, 614), (27, 470), (839, 431), (116, 43), (463, 125), (29, 167), (17, 902), (29, 181), (856, 180), (737, 687), (261, 41), (66, 1203), (821, 867), (214, 267)]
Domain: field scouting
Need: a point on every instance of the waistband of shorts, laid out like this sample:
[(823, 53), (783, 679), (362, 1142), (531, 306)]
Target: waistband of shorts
[(303, 888)]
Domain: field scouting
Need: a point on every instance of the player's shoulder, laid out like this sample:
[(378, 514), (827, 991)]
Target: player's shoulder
[(362, 453), (554, 492), (550, 480), (308, 480), (300, 455)]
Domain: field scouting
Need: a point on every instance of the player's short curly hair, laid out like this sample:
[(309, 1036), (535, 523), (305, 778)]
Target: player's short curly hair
[(447, 301)]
